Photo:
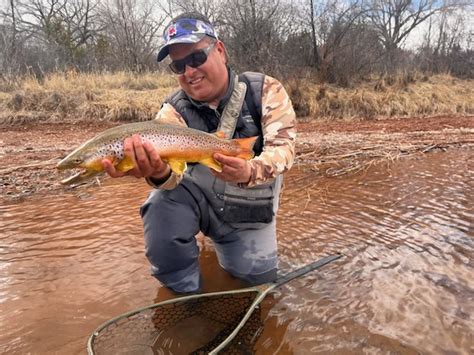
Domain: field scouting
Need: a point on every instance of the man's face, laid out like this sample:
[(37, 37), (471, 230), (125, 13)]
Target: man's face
[(208, 82)]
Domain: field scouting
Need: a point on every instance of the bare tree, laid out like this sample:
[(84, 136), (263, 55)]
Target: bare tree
[(8, 37), (81, 21), (255, 31), (130, 32), (338, 39), (13, 27), (336, 21), (59, 27), (394, 20), (446, 44), (357, 55), (212, 9), (316, 59)]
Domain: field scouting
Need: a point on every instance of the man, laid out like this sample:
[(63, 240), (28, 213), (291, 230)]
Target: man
[(236, 208)]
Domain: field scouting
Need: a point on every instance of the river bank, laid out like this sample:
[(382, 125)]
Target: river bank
[(29, 152)]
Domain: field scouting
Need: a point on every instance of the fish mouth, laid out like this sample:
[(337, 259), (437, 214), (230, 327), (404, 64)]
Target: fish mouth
[(79, 177), (62, 165)]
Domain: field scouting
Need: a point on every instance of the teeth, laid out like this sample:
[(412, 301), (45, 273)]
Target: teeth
[(192, 82)]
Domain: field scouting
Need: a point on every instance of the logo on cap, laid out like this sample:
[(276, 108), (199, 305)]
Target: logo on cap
[(172, 31)]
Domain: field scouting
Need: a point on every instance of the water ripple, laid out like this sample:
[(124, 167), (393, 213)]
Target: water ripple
[(404, 285)]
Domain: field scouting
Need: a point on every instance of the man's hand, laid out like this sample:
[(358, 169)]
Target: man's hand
[(147, 161), (234, 169)]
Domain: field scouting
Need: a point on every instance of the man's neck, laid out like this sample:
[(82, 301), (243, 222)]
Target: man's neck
[(215, 103)]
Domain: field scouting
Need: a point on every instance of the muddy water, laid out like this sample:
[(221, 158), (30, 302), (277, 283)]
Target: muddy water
[(70, 262)]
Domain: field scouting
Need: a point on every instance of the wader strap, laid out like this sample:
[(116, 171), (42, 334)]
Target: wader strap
[(232, 109)]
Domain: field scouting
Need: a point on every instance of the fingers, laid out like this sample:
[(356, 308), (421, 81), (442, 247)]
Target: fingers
[(229, 161), (233, 169), (110, 169), (147, 161), (129, 150), (154, 158), (142, 162), (159, 169)]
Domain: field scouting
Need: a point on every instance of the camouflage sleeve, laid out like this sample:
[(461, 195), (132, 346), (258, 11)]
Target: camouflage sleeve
[(168, 114), (279, 134)]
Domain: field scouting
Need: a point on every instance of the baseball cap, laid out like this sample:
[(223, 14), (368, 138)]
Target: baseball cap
[(184, 30)]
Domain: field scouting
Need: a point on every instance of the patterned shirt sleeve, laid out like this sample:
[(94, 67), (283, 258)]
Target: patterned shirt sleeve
[(168, 114), (279, 134)]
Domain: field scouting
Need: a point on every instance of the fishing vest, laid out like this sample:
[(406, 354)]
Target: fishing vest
[(241, 117), (205, 119)]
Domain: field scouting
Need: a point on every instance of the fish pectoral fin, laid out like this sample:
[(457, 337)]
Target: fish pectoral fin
[(125, 164), (211, 163), (178, 166)]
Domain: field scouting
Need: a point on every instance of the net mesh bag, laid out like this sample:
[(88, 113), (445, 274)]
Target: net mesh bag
[(192, 326), (228, 322)]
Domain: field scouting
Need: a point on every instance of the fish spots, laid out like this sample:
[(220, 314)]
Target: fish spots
[(112, 150), (186, 143)]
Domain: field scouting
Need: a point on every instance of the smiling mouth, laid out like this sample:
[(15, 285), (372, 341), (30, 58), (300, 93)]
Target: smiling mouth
[(195, 81)]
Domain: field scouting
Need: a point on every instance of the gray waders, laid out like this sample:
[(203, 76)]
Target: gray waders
[(241, 222)]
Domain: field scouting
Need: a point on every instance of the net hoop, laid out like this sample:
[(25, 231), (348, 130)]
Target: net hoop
[(261, 290), (99, 329)]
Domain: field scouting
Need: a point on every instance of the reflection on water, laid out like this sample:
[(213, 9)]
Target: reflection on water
[(69, 263)]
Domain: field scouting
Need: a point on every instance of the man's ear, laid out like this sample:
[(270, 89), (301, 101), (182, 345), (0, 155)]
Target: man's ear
[(220, 47), (222, 51)]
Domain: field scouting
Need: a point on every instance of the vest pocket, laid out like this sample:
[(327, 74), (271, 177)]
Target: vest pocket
[(253, 205)]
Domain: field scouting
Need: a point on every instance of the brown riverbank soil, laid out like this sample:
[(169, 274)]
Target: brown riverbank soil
[(29, 153)]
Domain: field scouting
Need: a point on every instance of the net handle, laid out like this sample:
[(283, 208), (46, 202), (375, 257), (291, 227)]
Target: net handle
[(266, 288), (305, 269)]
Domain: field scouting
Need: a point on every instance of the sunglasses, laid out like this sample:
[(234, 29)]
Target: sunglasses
[(193, 60)]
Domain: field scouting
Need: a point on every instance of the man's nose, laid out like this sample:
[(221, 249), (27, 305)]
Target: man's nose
[(188, 70)]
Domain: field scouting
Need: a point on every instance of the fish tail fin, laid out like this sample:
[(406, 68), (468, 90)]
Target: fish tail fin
[(246, 147)]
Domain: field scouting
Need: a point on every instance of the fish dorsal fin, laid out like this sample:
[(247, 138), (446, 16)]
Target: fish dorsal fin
[(220, 134), (125, 164), (177, 166), (166, 120), (211, 163)]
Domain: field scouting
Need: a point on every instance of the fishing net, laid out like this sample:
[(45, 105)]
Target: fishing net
[(190, 326), (227, 322)]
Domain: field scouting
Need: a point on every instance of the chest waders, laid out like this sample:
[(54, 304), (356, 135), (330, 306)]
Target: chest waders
[(250, 208), (240, 221)]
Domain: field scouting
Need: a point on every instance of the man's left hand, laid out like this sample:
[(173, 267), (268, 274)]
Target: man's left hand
[(234, 169)]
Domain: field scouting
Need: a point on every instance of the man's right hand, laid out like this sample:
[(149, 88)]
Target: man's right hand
[(147, 161)]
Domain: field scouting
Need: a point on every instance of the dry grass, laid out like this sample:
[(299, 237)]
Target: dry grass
[(404, 96), (113, 97), (127, 96)]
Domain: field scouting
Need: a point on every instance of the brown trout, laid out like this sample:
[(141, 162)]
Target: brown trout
[(176, 145)]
